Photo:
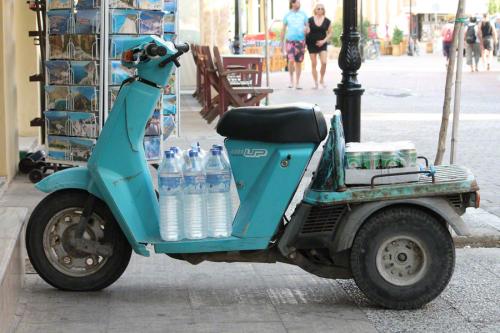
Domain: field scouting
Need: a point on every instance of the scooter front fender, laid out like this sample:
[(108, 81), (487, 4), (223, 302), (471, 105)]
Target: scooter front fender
[(81, 179), (74, 178)]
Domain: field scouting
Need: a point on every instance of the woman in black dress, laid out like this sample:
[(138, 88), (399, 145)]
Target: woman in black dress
[(320, 32)]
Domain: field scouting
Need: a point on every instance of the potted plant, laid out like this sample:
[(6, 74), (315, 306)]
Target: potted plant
[(397, 38)]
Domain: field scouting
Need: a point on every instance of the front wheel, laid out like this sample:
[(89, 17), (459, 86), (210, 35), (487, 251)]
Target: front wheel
[(402, 258), (50, 243)]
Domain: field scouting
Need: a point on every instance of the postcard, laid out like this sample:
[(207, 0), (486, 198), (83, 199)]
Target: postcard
[(113, 94), (170, 5), (151, 23), (152, 147), (59, 4), (84, 98), (170, 87), (87, 4), (153, 127), (150, 4), (85, 47), (58, 47), (58, 22), (122, 4), (57, 98), (81, 149), (118, 44), (169, 23), (119, 73), (124, 21), (85, 73), (169, 37), (58, 148), (83, 124), (58, 72), (168, 126), (169, 104), (87, 21)]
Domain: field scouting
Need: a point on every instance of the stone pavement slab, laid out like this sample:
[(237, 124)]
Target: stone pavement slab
[(160, 294)]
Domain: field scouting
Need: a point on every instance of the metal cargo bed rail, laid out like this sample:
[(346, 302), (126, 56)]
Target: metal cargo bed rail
[(447, 179)]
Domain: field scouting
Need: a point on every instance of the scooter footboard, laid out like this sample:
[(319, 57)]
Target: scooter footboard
[(267, 176)]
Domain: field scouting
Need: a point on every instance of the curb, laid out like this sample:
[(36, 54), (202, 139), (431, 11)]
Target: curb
[(11, 264), (477, 241)]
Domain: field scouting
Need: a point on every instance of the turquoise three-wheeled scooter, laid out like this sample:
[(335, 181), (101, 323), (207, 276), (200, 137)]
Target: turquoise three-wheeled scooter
[(394, 240)]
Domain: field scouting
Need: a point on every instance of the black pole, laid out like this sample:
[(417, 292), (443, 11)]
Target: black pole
[(236, 41), (349, 91), (361, 49)]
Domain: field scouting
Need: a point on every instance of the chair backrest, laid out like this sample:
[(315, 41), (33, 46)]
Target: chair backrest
[(218, 61)]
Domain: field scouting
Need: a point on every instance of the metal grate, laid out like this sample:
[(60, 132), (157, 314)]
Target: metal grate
[(323, 218), (455, 200)]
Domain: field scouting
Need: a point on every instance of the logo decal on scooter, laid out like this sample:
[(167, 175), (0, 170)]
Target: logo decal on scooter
[(250, 153)]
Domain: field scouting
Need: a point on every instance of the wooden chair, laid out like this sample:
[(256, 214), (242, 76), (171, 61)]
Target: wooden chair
[(236, 96), (198, 61), (212, 106)]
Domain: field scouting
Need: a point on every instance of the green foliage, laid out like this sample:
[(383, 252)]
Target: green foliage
[(397, 36), (364, 28), (493, 6), (336, 33)]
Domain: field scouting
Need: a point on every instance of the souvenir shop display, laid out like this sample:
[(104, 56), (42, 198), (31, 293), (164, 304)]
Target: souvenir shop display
[(84, 71)]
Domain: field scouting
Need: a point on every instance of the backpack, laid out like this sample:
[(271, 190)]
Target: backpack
[(448, 37), (470, 35)]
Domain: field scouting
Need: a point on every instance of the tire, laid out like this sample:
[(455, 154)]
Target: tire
[(44, 244), (402, 258), (35, 175)]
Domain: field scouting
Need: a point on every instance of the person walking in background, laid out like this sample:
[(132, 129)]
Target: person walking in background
[(472, 44), (293, 40), (488, 38), (320, 32), (447, 35)]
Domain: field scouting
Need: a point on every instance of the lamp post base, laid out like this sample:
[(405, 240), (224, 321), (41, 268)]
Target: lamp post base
[(349, 102)]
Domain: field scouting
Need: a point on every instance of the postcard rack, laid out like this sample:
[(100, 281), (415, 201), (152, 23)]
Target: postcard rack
[(83, 72)]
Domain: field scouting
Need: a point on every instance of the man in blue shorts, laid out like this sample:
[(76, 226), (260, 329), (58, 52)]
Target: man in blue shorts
[(295, 30)]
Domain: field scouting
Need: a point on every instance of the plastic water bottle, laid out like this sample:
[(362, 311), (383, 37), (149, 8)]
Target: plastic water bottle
[(223, 155), (178, 156), (170, 184), (219, 202), (195, 221)]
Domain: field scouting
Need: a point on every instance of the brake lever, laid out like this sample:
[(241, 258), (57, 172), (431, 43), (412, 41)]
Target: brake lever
[(176, 63)]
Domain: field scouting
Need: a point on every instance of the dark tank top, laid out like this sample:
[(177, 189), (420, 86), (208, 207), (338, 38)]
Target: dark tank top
[(317, 33)]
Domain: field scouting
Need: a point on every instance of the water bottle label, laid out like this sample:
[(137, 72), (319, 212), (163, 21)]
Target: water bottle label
[(198, 182), (220, 182), (170, 183)]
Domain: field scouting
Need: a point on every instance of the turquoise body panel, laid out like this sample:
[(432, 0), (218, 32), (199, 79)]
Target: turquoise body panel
[(117, 172)]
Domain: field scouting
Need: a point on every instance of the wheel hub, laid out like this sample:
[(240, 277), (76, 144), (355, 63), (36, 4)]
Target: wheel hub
[(402, 260), (58, 243)]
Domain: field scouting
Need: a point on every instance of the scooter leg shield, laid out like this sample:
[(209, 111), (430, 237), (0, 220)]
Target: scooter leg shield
[(267, 176)]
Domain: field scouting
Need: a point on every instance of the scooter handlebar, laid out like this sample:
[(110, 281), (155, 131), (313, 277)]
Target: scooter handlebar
[(182, 47)]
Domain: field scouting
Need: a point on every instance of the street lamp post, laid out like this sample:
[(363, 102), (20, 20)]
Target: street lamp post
[(237, 38), (349, 91), (410, 39)]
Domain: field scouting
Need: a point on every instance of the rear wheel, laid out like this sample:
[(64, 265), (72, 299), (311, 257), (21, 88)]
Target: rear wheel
[(50, 243), (402, 258)]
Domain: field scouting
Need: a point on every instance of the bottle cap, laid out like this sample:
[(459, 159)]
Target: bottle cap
[(174, 149), (193, 153), (169, 154), (219, 147), (215, 151)]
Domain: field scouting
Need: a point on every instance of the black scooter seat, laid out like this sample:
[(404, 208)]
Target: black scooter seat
[(290, 123)]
